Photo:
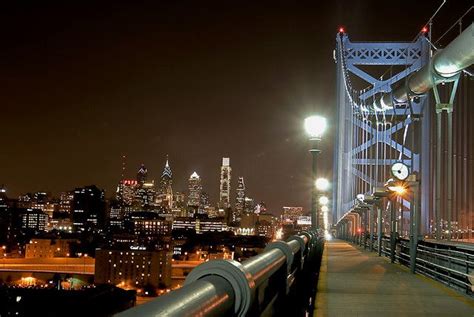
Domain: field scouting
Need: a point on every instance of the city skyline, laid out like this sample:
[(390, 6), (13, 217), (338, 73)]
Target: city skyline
[(153, 173), (161, 186), (262, 158), (153, 79)]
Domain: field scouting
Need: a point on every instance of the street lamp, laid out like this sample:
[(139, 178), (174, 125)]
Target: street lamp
[(322, 184), (323, 200), (314, 126)]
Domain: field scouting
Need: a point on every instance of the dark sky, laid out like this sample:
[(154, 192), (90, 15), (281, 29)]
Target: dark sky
[(81, 84)]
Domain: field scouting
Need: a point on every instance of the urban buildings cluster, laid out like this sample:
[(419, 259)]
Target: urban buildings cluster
[(147, 237), (136, 236), (144, 194)]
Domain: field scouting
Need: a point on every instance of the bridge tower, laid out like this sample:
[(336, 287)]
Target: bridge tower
[(368, 140)]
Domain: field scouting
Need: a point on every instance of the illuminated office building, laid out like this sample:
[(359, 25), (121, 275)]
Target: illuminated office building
[(224, 189), (240, 200), (195, 190), (165, 197)]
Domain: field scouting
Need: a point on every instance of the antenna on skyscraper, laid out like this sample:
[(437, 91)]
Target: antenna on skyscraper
[(121, 184), (123, 166)]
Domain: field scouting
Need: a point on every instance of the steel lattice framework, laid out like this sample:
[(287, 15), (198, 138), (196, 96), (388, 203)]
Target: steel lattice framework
[(368, 142)]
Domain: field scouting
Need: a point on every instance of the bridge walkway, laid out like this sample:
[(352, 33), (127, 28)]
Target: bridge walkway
[(357, 283)]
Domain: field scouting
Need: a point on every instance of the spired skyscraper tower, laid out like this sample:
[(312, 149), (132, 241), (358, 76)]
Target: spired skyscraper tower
[(195, 190), (224, 190), (166, 191)]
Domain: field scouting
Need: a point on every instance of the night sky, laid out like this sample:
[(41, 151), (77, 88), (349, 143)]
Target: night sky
[(83, 84)]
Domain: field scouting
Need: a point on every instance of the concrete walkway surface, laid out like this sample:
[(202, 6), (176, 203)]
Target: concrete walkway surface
[(357, 283)]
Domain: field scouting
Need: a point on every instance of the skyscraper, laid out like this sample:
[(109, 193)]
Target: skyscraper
[(240, 200), (65, 202), (205, 200), (166, 191), (224, 192), (126, 192), (142, 174), (195, 189), (145, 195), (88, 208)]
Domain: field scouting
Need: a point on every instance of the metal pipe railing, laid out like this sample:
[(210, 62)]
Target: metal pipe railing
[(230, 288), (447, 264), (443, 67), (212, 295)]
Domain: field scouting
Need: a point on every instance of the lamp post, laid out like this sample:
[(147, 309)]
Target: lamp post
[(314, 126), (397, 189)]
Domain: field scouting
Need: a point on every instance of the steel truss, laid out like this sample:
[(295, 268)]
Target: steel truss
[(368, 142)]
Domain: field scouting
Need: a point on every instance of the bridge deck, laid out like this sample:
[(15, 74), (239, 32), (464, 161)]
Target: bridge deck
[(359, 283)]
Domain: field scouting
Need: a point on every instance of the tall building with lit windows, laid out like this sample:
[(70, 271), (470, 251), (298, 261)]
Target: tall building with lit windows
[(145, 195), (224, 189), (165, 197), (195, 190), (126, 192), (136, 267), (65, 202), (142, 174), (88, 208), (239, 200), (33, 219)]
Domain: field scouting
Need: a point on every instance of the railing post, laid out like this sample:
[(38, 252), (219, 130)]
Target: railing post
[(415, 222), (379, 230), (393, 238)]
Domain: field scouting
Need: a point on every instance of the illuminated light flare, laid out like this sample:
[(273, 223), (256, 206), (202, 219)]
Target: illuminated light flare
[(315, 126), (399, 190), (322, 184), (323, 200)]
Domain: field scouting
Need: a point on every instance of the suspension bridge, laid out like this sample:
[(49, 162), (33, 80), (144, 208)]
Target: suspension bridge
[(402, 199)]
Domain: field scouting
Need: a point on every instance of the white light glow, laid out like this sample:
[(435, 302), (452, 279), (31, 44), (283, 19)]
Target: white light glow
[(315, 126), (399, 190), (323, 200), (279, 234), (322, 184)]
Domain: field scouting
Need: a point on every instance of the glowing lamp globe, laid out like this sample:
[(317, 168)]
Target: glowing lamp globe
[(323, 200), (324, 208), (322, 184), (315, 126)]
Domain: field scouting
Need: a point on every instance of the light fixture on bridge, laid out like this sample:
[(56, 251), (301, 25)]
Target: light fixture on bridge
[(323, 200), (322, 184), (398, 188), (324, 208), (315, 126)]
